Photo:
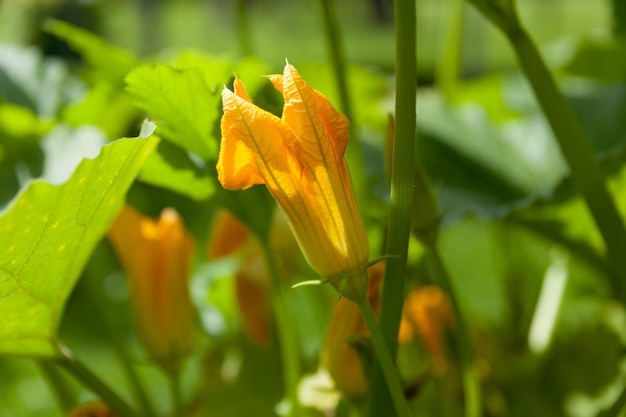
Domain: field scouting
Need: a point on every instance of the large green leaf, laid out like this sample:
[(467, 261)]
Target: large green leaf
[(48, 234), (186, 110)]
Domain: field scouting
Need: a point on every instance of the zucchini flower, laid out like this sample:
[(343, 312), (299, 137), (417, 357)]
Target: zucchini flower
[(300, 159), (157, 258)]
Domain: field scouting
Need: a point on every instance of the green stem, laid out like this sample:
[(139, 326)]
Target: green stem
[(402, 168), (90, 380), (471, 383), (245, 40), (385, 360), (58, 385), (338, 61), (175, 393), (449, 64), (574, 145), (286, 334)]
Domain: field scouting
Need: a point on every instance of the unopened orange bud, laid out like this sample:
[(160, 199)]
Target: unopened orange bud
[(157, 258), (428, 311)]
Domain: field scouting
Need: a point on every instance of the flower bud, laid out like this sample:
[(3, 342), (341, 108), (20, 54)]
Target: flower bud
[(157, 258)]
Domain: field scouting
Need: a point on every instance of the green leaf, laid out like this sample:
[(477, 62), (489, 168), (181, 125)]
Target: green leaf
[(109, 62), (599, 59), (170, 167), (185, 109), (48, 234)]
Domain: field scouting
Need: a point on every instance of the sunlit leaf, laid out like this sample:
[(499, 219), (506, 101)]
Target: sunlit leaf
[(185, 109), (47, 235)]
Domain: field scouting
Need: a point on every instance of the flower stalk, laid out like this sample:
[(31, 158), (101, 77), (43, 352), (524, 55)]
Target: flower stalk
[(402, 169)]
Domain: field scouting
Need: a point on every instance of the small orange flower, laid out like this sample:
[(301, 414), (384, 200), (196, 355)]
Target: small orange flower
[(157, 258), (428, 312), (300, 159)]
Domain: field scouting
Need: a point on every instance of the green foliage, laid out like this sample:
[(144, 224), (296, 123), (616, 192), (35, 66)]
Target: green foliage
[(48, 234), (511, 215), (184, 107)]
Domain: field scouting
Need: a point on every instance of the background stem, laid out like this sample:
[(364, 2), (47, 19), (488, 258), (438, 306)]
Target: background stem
[(385, 360), (58, 385), (402, 167), (95, 384), (286, 334), (448, 67), (470, 380), (337, 54), (175, 392)]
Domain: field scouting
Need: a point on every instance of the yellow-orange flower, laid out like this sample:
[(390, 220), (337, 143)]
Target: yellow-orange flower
[(300, 159), (157, 259)]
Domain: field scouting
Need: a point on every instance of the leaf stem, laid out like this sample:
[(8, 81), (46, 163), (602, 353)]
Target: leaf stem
[(90, 380), (471, 383), (385, 360), (286, 334), (62, 393), (402, 168), (245, 40)]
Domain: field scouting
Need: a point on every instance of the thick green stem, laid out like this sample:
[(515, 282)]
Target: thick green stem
[(91, 381), (338, 61), (574, 145), (402, 168), (471, 383), (286, 335), (62, 393), (385, 360)]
